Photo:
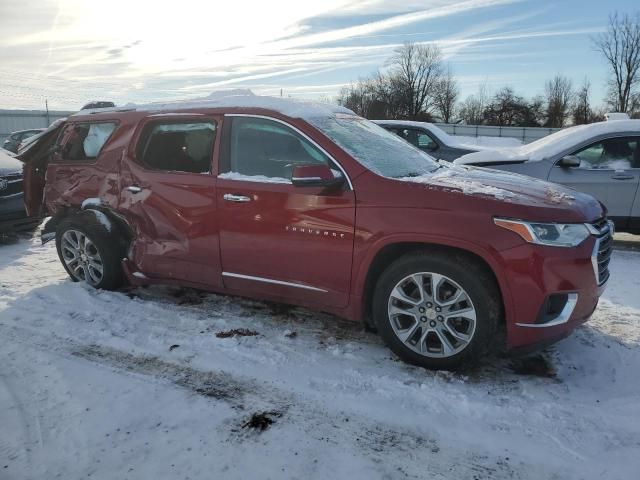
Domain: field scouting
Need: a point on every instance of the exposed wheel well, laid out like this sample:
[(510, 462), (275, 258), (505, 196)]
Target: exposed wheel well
[(121, 229), (390, 253)]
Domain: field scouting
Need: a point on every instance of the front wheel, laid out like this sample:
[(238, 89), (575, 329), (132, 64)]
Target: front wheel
[(88, 252), (438, 311)]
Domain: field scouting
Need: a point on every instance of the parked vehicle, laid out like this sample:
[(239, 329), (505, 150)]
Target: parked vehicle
[(97, 104), (312, 205), (12, 142), (13, 217), (438, 143), (422, 135), (601, 159)]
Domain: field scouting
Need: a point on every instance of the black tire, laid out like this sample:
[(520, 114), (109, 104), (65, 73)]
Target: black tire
[(110, 248), (468, 273)]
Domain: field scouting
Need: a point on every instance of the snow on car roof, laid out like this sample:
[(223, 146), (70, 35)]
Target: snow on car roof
[(236, 99), (553, 144)]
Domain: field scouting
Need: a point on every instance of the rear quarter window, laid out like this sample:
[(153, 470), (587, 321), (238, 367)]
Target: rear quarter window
[(80, 142)]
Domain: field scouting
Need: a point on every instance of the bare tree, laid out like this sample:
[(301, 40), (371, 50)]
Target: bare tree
[(620, 46), (416, 69), (510, 110), (446, 95), (559, 94), (472, 109), (582, 112)]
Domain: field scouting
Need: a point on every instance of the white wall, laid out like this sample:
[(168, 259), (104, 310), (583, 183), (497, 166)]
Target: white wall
[(524, 134), (14, 120)]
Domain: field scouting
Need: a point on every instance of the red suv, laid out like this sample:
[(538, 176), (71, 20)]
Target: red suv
[(312, 205)]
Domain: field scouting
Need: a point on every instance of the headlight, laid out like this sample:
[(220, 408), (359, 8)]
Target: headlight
[(551, 234)]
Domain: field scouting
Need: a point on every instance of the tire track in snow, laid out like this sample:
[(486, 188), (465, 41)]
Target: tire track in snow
[(396, 453)]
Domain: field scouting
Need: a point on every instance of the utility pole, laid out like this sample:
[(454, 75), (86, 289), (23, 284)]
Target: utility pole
[(46, 106), (280, 93)]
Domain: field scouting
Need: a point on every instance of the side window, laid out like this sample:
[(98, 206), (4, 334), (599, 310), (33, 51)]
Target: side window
[(83, 141), (417, 138), (177, 146), (611, 154), (267, 148), (404, 134), (425, 142)]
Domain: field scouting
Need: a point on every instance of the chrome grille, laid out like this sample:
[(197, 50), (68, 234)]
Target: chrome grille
[(12, 184), (603, 230)]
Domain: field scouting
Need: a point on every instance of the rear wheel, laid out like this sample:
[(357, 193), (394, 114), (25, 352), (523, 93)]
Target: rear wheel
[(88, 252), (438, 311)]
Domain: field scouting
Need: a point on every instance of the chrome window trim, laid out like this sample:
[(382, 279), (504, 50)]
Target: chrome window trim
[(272, 281), (299, 132), (562, 318)]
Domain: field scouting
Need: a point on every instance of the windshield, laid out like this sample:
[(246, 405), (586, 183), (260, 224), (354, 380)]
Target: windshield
[(380, 151)]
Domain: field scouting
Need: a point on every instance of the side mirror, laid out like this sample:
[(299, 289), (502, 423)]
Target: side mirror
[(570, 161), (315, 176)]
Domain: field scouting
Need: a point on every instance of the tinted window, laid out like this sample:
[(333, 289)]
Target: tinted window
[(178, 147), (416, 138), (271, 149), (611, 154), (83, 141)]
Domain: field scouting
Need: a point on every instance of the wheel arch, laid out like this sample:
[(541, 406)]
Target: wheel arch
[(113, 222), (387, 253)]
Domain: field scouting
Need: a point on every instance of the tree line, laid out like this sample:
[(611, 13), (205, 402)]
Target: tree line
[(418, 85)]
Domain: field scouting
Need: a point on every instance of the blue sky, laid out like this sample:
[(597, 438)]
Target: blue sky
[(70, 51)]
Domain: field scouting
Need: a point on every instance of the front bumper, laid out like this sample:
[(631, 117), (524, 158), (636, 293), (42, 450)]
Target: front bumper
[(13, 216), (537, 273)]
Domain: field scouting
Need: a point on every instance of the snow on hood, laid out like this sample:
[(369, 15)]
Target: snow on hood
[(8, 164), (551, 145), (239, 98), (500, 185)]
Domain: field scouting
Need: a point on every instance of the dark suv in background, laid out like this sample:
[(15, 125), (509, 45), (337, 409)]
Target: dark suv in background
[(13, 217)]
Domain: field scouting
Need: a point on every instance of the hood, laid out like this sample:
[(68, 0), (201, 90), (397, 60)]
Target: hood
[(558, 143), (494, 156), (514, 195), (8, 164)]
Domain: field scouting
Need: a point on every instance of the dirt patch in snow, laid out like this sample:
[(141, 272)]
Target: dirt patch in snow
[(217, 385), (237, 332), (188, 296), (535, 365), (260, 421)]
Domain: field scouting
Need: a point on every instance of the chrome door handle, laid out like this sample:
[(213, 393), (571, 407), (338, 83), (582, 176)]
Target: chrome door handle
[(134, 189), (230, 197), (622, 176)]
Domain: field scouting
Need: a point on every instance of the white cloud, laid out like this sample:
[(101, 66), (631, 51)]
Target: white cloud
[(72, 50)]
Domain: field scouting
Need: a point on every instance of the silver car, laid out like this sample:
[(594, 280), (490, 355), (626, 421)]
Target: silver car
[(602, 159)]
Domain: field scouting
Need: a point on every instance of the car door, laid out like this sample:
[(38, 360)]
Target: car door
[(278, 240), (610, 171), (168, 196)]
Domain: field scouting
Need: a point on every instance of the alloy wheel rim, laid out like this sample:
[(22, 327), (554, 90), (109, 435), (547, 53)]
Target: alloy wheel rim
[(82, 257), (432, 315)]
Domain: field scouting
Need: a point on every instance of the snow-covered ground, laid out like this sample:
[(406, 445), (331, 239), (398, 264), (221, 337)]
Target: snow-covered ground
[(137, 385)]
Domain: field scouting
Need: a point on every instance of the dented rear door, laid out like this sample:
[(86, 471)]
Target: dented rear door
[(168, 197)]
